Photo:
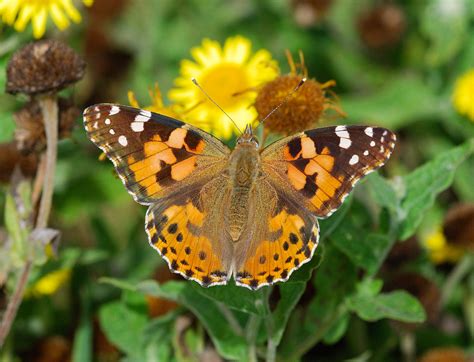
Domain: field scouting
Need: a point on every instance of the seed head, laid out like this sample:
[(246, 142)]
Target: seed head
[(458, 226), (303, 109), (45, 66), (382, 26)]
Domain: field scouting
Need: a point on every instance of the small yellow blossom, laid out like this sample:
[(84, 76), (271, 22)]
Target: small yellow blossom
[(439, 250), (157, 104), (50, 283), (20, 12), (463, 95), (231, 76)]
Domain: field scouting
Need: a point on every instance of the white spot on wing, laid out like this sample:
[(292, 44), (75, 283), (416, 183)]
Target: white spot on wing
[(123, 140), (114, 110), (344, 138), (341, 131), (354, 159), (372, 143), (137, 126), (345, 143), (111, 131), (369, 131), (146, 113), (366, 153), (142, 118), (96, 124), (107, 121)]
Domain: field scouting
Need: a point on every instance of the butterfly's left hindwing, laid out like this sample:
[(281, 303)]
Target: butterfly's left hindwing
[(154, 155)]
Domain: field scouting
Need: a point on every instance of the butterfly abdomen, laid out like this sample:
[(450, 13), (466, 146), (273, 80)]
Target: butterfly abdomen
[(244, 167)]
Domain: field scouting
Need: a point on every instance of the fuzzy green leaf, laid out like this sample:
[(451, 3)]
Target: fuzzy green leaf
[(398, 305), (426, 182), (393, 104), (365, 249), (123, 326)]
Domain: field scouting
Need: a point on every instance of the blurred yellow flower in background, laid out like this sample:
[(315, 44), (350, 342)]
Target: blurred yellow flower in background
[(20, 12), (463, 95), (157, 104), (439, 250), (231, 76), (49, 283)]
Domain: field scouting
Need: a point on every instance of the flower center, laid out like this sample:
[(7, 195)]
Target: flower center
[(223, 81)]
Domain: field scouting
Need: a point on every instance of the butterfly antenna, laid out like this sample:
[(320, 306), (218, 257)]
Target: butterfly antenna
[(213, 101), (284, 101)]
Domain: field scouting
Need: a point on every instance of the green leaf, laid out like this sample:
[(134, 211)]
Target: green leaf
[(393, 105), (398, 305), (365, 249), (82, 349), (334, 280), (426, 182), (228, 341), (337, 330), (232, 296), (123, 326), (382, 191)]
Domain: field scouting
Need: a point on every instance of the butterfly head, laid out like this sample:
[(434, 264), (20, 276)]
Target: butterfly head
[(247, 137)]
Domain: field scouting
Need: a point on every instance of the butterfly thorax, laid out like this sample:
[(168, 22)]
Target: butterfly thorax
[(244, 168)]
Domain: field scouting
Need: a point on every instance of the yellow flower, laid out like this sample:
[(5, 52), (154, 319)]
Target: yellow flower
[(439, 250), (20, 12), (50, 283), (231, 76), (463, 95), (157, 105)]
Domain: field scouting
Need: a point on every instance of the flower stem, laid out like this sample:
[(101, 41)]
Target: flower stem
[(49, 108), (251, 330), (457, 274), (14, 303), (269, 322)]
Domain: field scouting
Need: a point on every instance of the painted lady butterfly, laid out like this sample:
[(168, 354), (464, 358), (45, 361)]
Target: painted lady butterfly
[(248, 213)]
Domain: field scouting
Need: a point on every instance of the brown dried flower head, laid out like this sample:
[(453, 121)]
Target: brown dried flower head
[(302, 109), (458, 226), (45, 66), (382, 26), (309, 12), (11, 157), (444, 354), (29, 132)]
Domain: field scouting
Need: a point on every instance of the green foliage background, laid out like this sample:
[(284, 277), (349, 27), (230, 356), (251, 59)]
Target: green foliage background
[(336, 306)]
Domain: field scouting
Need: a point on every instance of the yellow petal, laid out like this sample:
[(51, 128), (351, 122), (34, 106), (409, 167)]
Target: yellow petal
[(71, 10), (208, 54), (88, 2), (58, 17), (132, 100), (39, 23), (10, 11), (24, 17), (237, 49)]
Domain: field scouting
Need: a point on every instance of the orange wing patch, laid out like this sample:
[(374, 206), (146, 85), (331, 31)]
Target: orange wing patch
[(324, 164), (150, 151), (176, 233), (290, 243)]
